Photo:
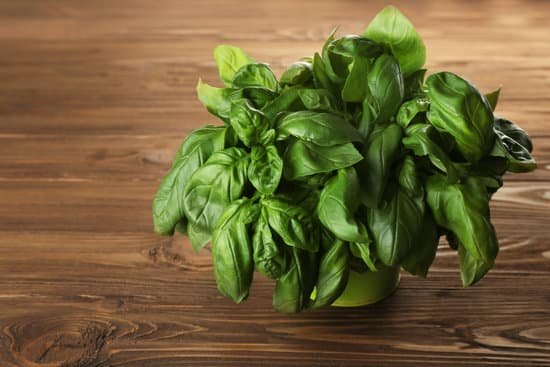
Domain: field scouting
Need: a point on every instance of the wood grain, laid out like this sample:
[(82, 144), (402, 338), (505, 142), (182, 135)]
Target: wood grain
[(95, 97)]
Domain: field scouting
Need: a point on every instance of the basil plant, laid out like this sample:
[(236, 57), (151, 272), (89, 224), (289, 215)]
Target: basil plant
[(350, 160)]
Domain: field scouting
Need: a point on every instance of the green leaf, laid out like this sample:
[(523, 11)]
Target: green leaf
[(355, 89), (265, 169), (422, 254), (419, 140), (518, 157), (195, 150), (384, 95), (410, 109), (229, 60), (217, 100), (293, 289), (317, 100), (232, 252), (287, 101), (363, 251), (382, 150), (458, 109), (213, 186), (492, 98), (349, 59), (370, 110), (292, 223), (391, 28), (320, 74), (334, 78), (386, 86), (463, 208), (248, 122), (259, 96), (514, 145), (395, 225), (414, 85), (198, 236), (304, 159), (472, 269), (298, 73), (514, 132), (298, 99), (338, 204), (319, 128), (333, 274), (269, 256), (343, 50), (256, 75)]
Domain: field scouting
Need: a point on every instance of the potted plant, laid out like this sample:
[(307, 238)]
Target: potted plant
[(344, 170)]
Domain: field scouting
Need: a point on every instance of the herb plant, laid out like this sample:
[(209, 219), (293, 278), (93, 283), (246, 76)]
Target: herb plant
[(350, 160)]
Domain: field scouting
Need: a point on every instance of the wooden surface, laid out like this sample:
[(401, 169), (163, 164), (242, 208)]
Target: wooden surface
[(95, 97)]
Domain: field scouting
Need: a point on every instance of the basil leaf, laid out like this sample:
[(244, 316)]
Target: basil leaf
[(256, 75), (422, 254), (320, 128), (342, 51), (269, 256), (363, 251), (472, 269), (463, 208), (333, 274), (514, 145), (293, 289), (229, 59), (195, 150), (313, 182), (514, 132), (410, 109), (458, 109), (265, 169), (518, 157), (232, 252), (259, 96), (414, 84), (320, 74), (317, 99), (298, 73), (386, 86), (395, 225), (419, 141), (335, 79), (350, 57), (384, 95), (198, 236), (293, 223), (287, 101), (492, 98), (304, 159), (355, 89), (213, 186), (382, 150), (338, 204), (217, 100), (298, 99), (391, 28), (248, 122)]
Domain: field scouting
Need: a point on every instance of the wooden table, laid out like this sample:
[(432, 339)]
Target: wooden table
[(95, 97)]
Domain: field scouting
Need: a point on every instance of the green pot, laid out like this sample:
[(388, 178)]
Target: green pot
[(368, 287)]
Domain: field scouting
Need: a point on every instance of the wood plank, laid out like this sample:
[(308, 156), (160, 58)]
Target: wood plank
[(96, 96)]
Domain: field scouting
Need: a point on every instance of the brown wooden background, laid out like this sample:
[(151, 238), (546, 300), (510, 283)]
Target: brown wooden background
[(95, 97)]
